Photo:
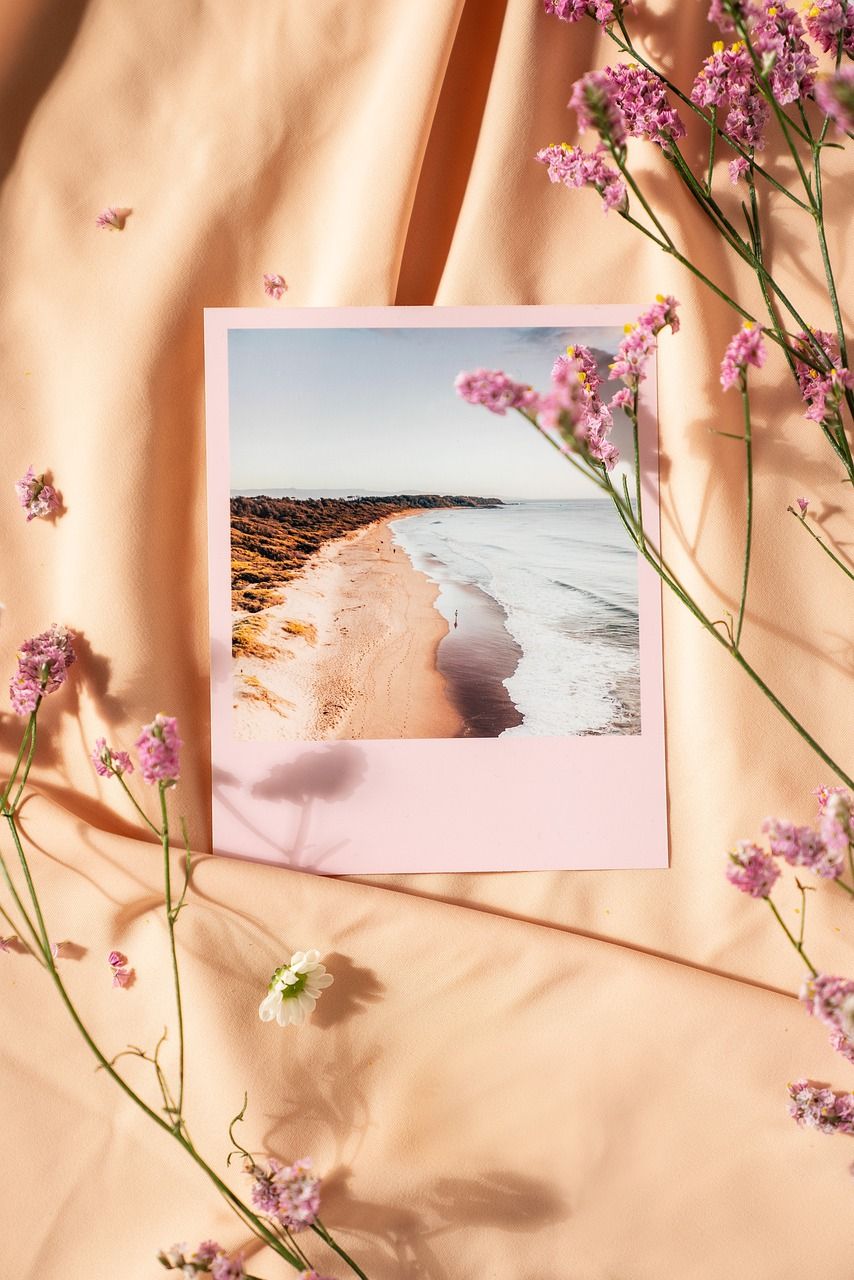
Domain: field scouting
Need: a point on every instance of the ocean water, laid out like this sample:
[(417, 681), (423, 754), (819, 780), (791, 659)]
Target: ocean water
[(544, 598)]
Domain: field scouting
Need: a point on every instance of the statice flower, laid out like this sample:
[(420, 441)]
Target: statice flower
[(803, 505), (726, 78), (209, 1259), (158, 746), (802, 847), (816, 1107), (576, 168), (604, 11), (747, 347), (822, 390), (495, 391), (112, 219), (275, 285), (778, 38), (831, 1000), (108, 762), (288, 1193), (641, 98), (622, 399), (826, 20), (639, 343), (836, 821), (122, 975), (38, 498), (43, 664), (594, 98), (7, 944), (573, 411), (295, 989), (835, 96), (752, 870), (737, 168)]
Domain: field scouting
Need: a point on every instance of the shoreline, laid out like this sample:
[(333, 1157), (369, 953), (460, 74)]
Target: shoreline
[(351, 651)]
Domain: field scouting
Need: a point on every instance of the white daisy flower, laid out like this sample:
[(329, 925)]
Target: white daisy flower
[(295, 989)]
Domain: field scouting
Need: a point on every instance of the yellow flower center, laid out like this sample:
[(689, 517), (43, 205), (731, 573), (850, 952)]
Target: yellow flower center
[(629, 328), (718, 46)]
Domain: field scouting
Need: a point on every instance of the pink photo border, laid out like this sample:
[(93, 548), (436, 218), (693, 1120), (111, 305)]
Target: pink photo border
[(363, 808)]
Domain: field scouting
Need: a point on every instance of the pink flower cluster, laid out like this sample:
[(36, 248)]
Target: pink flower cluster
[(822, 391), (594, 99), (604, 11), (112, 219), (158, 746), (835, 96), (747, 347), (752, 870), (122, 975), (495, 391), (816, 1107), (576, 168), (43, 664), (639, 343), (803, 847), (36, 496), (275, 286), (288, 1193), (108, 762), (836, 820), (726, 78), (778, 38), (575, 393), (827, 20), (209, 1259), (641, 98), (831, 1000)]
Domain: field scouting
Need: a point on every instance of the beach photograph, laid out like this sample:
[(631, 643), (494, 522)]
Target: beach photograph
[(405, 565)]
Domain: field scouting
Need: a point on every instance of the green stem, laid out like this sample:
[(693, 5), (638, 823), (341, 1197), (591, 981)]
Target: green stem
[(33, 729), (799, 947), (748, 542), (19, 757), (821, 542), (137, 806), (713, 137), (319, 1228), (170, 921)]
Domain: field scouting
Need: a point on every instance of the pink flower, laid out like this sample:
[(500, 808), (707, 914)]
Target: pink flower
[(802, 847), (836, 822), (641, 98), (36, 496), (577, 168), (116, 960), (826, 20), (108, 762), (816, 1107), (622, 399), (747, 347), (225, 1268), (727, 79), (288, 1193), (312, 1275), (831, 1000), (495, 391), (158, 746), (594, 98), (275, 286), (6, 943), (122, 977), (803, 505), (835, 96), (112, 219), (43, 664), (752, 870), (604, 11), (737, 169), (778, 38)]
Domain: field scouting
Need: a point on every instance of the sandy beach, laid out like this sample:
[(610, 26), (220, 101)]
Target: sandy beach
[(350, 653)]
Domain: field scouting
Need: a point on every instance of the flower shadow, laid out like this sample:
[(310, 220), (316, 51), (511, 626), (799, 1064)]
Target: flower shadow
[(354, 989)]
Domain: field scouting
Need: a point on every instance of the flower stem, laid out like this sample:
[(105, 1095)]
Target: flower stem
[(748, 540), (137, 806), (16, 766), (799, 946), (821, 542), (319, 1228), (170, 921)]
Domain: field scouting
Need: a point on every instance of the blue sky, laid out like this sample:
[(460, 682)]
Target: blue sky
[(375, 410)]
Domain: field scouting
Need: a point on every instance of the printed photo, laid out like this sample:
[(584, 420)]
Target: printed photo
[(406, 565)]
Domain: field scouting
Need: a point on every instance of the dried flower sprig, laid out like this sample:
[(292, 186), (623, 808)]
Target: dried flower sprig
[(38, 498)]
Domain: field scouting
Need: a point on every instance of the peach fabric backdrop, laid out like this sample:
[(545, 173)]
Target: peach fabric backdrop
[(526, 1077)]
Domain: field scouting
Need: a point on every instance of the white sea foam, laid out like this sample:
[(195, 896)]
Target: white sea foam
[(567, 582)]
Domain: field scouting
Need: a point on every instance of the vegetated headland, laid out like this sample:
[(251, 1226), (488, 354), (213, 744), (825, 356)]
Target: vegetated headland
[(272, 538)]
